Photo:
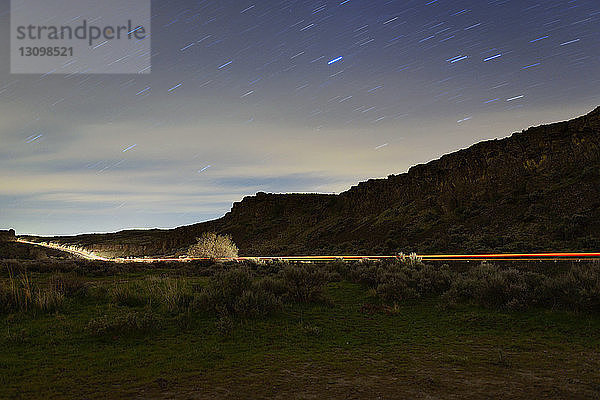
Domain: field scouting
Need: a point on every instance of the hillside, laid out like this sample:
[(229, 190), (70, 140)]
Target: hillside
[(19, 251), (536, 190)]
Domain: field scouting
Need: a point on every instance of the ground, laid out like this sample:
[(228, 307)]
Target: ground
[(350, 347)]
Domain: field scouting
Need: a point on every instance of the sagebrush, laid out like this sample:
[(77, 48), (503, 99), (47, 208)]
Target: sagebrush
[(211, 245)]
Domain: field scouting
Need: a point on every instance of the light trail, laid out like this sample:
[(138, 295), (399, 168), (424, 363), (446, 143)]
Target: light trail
[(555, 256), (512, 256), (68, 249)]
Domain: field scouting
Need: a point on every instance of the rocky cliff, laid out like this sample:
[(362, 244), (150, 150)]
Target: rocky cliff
[(535, 190)]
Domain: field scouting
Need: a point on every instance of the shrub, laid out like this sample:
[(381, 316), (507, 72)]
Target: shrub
[(233, 292), (411, 259), (577, 289), (211, 245), (432, 280), (256, 302), (396, 286), (172, 294), (304, 283), (490, 286), (272, 284), (398, 281)]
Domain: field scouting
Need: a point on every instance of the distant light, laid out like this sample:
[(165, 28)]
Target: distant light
[(335, 60), (226, 64), (130, 147)]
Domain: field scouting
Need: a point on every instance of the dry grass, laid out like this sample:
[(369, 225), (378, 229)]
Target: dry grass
[(21, 295), (172, 294)]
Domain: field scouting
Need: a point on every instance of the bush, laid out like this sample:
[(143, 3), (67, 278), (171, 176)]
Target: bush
[(577, 289), (398, 281), (490, 286), (305, 283), (272, 284), (233, 292), (243, 292), (396, 286), (256, 302), (211, 245), (172, 294), (486, 285)]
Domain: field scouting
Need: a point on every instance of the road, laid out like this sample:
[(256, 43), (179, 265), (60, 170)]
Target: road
[(556, 256)]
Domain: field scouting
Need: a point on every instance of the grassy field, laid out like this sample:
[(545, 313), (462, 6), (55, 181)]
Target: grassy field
[(331, 331)]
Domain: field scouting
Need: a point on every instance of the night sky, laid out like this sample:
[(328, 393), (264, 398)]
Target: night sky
[(283, 96)]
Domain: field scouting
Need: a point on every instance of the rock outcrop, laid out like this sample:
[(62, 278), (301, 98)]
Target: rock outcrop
[(8, 235), (536, 190)]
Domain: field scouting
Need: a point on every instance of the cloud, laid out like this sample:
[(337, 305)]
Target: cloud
[(76, 177)]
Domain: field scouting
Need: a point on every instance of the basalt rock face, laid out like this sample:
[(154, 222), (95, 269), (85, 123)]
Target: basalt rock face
[(535, 190)]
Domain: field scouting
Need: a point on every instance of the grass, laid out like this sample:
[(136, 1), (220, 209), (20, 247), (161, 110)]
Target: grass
[(346, 341)]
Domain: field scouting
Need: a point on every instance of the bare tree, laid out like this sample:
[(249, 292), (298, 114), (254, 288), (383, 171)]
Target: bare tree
[(211, 245)]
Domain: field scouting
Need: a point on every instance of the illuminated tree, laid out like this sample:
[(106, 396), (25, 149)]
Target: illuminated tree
[(211, 245)]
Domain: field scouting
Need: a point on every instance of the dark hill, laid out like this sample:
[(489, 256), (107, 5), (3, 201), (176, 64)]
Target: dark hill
[(535, 190), (11, 250)]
